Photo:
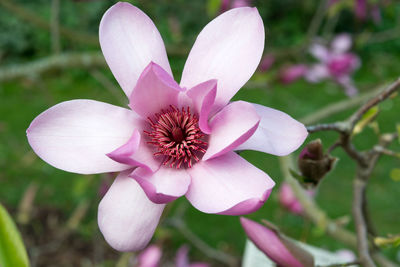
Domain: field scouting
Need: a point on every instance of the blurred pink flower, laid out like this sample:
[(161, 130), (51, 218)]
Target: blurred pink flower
[(336, 63), (149, 257), (276, 246), (289, 201), (228, 4), (176, 139), (293, 73), (266, 62), (364, 10)]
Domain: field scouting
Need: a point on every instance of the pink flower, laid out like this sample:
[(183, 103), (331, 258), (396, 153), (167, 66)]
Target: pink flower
[(277, 247), (228, 4), (176, 139), (336, 63), (266, 62), (293, 73), (150, 257), (289, 201)]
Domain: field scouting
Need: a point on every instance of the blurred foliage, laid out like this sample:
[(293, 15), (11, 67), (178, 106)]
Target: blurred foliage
[(287, 23)]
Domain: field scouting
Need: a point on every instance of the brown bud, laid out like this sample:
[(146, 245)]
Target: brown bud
[(313, 163)]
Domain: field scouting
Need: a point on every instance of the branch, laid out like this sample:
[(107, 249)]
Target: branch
[(384, 94), (220, 256), (57, 62)]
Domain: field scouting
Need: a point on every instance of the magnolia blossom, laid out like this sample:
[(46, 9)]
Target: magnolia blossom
[(336, 63), (289, 201), (281, 250), (174, 139)]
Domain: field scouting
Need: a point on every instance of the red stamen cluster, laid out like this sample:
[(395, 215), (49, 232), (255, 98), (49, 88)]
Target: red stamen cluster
[(177, 136)]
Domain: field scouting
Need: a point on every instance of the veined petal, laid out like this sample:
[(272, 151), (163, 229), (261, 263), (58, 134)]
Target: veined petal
[(278, 133), (228, 49), (76, 135), (126, 217), (130, 41), (155, 90), (230, 127), (203, 97), (228, 185), (136, 153), (164, 185)]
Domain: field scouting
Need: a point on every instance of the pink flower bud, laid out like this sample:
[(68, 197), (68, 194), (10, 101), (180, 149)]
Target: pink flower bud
[(276, 246), (289, 201)]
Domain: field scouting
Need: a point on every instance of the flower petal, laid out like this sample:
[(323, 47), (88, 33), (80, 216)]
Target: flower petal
[(155, 90), (320, 52), (228, 49), (76, 135), (278, 133), (150, 257), (271, 244), (126, 217), (342, 43), (232, 126), (228, 185), (136, 153), (203, 97), (164, 185), (317, 72), (130, 41)]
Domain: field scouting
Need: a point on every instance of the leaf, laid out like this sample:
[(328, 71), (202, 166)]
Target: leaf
[(395, 174), (12, 249), (366, 119)]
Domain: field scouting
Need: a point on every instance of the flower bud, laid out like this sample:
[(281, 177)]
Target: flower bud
[(280, 249), (313, 163)]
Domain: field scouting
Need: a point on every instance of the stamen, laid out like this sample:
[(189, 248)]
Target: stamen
[(177, 136)]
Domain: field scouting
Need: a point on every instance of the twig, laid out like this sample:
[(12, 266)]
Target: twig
[(55, 26), (388, 91), (335, 108), (337, 126), (341, 264), (109, 85), (210, 252), (57, 62), (316, 22)]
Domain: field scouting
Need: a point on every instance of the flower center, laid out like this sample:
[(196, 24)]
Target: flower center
[(176, 135)]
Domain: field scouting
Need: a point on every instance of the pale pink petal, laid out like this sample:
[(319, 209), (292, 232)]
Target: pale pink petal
[(232, 126), (136, 153), (130, 41), (203, 97), (164, 185), (317, 73), (150, 257), (126, 217), (342, 43), (228, 185), (228, 49), (155, 90), (269, 243), (76, 135), (293, 73), (277, 134), (288, 200), (320, 52)]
